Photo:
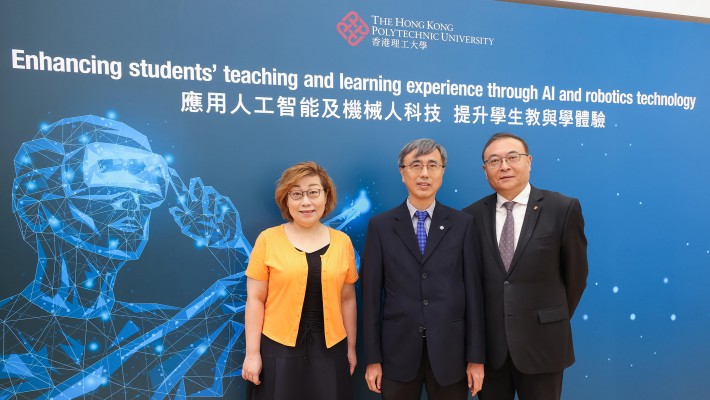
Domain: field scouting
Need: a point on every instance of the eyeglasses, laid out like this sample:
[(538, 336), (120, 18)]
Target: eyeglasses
[(417, 167), (311, 193), (512, 158)]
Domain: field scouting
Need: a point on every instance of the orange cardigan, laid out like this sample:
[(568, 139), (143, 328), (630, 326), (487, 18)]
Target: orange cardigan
[(275, 259)]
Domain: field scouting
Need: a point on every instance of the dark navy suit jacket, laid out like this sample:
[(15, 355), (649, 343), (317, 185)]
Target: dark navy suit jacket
[(406, 294)]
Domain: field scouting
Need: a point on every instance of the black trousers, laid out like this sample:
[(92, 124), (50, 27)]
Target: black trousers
[(502, 383), (395, 390)]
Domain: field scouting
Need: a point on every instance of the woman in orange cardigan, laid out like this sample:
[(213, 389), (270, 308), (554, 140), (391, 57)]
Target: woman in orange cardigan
[(300, 319)]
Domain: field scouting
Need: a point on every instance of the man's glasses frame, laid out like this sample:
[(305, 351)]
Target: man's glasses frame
[(495, 162), (417, 167)]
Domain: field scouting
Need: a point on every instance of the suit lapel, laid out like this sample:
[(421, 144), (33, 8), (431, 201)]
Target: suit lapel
[(489, 227), (439, 227), (531, 214), (405, 230)]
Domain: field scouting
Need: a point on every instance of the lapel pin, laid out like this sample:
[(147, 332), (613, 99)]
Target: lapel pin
[(441, 227), (535, 208)]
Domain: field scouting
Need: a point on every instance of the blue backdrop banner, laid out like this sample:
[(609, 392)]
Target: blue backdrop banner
[(142, 141)]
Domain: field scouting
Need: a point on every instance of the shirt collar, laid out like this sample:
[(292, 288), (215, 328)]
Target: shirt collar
[(429, 209), (522, 198)]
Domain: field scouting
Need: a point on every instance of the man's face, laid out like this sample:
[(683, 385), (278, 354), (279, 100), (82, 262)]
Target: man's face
[(508, 179), (423, 185), (110, 191)]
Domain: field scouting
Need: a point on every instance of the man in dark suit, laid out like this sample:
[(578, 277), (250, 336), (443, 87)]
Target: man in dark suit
[(421, 290), (534, 272)]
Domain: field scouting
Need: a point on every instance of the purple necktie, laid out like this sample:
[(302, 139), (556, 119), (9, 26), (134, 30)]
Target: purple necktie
[(421, 229), (506, 246)]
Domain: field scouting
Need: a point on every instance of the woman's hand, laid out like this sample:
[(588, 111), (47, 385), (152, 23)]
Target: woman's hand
[(251, 369), (352, 359)]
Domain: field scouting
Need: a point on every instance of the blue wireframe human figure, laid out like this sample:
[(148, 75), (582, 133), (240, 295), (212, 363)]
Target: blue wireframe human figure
[(83, 195)]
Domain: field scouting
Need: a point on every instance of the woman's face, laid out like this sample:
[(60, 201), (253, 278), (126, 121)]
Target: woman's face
[(309, 204)]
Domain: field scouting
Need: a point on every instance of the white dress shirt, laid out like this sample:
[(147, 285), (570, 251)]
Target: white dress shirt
[(521, 204)]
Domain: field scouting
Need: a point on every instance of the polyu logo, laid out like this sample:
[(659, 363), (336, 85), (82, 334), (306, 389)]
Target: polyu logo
[(353, 28)]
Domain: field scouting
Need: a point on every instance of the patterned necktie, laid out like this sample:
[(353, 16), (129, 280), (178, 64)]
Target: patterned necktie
[(506, 246), (421, 229)]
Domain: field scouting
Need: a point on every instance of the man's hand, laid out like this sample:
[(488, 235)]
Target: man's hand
[(373, 376), (474, 373)]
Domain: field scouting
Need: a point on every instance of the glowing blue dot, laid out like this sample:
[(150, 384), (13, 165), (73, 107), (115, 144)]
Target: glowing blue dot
[(53, 221), (93, 346), (89, 283), (672, 317), (31, 185), (113, 244), (84, 139), (640, 203), (632, 317), (362, 203), (558, 160), (199, 243), (687, 244), (605, 154), (596, 283), (631, 365), (225, 208), (159, 348), (201, 348), (456, 190), (105, 316), (581, 144), (181, 199), (169, 158), (618, 194), (112, 114), (665, 280), (585, 317), (25, 160), (615, 289)]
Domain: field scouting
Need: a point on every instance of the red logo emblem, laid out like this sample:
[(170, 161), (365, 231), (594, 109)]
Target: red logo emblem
[(353, 28)]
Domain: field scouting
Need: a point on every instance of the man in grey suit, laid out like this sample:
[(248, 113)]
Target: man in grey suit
[(534, 273), (421, 290)]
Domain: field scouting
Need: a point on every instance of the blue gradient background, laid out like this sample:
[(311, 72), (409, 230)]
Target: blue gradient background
[(642, 180)]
